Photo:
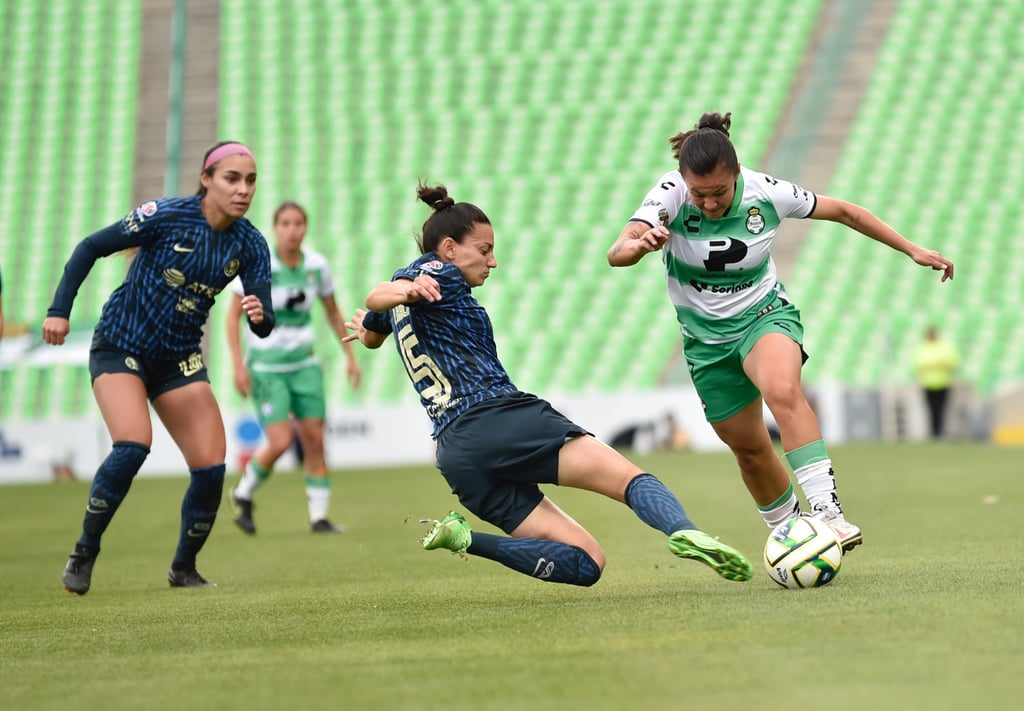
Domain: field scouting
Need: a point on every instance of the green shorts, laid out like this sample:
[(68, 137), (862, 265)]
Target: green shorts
[(298, 391), (717, 369)]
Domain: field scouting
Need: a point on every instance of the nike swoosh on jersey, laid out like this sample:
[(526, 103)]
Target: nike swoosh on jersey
[(179, 248)]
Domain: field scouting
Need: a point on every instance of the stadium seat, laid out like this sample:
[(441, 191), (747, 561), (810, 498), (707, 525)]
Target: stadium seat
[(938, 172), (527, 110), (67, 151)]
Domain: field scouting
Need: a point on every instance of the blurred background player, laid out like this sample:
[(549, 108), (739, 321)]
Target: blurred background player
[(495, 444), (935, 362), (742, 337), (283, 375), (147, 345)]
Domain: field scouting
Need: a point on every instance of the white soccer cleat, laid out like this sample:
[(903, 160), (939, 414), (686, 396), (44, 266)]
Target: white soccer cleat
[(848, 534)]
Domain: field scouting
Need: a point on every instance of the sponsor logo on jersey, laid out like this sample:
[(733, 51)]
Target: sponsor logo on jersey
[(203, 290), (173, 277), (186, 305), (179, 247), (716, 289), (755, 222)]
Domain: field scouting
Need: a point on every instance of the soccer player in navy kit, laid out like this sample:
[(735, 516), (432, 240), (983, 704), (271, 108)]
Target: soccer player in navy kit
[(147, 345), (495, 444)]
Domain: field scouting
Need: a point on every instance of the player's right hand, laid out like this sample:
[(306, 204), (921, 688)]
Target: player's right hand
[(55, 328), (243, 382), (654, 239), (423, 287)]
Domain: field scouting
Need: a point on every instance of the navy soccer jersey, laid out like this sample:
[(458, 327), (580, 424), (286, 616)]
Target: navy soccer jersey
[(447, 346), (182, 263)]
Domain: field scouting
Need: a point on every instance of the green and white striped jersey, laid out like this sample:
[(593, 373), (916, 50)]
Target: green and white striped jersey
[(720, 272), (293, 292)]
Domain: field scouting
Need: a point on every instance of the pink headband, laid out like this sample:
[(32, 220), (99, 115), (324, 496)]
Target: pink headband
[(228, 149)]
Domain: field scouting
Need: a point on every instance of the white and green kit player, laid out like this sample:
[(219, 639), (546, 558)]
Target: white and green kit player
[(714, 223), (282, 373)]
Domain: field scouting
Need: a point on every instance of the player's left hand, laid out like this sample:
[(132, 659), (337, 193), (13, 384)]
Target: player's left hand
[(931, 258), (356, 324), (355, 376), (253, 308)]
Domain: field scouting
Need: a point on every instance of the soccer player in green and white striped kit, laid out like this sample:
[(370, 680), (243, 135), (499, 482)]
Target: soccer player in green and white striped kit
[(282, 373), (714, 223)]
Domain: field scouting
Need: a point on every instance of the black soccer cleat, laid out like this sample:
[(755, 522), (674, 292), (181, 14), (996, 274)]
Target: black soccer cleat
[(188, 578), (325, 526), (243, 512), (77, 575)]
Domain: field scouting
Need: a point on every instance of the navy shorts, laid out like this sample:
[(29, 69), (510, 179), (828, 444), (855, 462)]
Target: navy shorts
[(157, 374), (495, 454)]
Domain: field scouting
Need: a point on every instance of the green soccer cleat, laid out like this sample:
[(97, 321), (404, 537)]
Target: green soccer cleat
[(725, 560), (451, 533)]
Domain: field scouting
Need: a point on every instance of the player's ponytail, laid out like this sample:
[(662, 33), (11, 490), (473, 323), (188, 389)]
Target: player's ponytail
[(449, 219), (706, 146)]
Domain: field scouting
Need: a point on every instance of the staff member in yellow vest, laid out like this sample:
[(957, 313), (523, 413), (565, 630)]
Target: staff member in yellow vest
[(936, 361)]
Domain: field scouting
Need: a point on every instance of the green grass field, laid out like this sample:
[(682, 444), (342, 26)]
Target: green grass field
[(927, 614)]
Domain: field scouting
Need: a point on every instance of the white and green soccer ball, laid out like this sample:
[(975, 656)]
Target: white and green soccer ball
[(803, 552)]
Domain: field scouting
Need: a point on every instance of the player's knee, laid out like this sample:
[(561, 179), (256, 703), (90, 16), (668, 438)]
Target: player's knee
[(277, 442), (127, 456), (589, 569), (783, 397)]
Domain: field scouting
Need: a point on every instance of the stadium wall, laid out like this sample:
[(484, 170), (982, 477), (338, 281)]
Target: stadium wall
[(356, 437), (373, 436)]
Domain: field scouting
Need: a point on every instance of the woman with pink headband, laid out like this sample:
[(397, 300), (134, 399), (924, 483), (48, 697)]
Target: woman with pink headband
[(146, 345)]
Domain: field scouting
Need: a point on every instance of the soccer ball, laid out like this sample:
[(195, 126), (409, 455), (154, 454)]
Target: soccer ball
[(803, 552)]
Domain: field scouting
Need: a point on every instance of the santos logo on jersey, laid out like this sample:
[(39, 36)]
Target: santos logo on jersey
[(755, 222)]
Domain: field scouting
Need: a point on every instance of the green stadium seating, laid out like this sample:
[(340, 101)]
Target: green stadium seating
[(537, 112), (553, 117), (931, 152), (67, 132)]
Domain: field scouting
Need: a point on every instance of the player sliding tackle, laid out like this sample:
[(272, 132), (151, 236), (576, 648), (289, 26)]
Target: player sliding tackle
[(495, 444)]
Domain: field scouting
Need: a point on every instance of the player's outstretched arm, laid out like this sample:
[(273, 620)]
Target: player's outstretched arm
[(867, 223), (370, 339)]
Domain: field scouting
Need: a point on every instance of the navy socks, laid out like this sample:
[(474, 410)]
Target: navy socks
[(656, 506), (109, 487), (551, 561), (198, 512)]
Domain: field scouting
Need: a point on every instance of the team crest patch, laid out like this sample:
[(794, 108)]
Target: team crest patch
[(231, 268), (432, 267), (663, 215), (755, 222), (146, 209)]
